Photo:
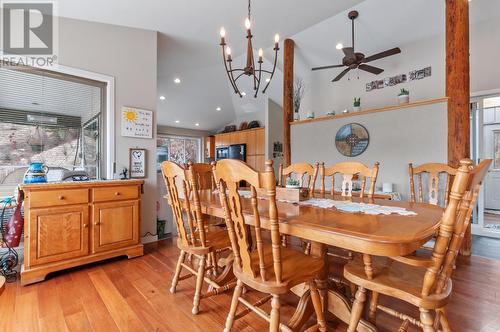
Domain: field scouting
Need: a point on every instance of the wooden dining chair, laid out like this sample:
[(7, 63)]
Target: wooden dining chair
[(433, 171), (424, 282), (305, 173), (266, 267), (349, 170), (193, 238)]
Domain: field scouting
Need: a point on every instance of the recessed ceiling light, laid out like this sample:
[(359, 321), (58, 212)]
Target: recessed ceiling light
[(177, 80), (197, 124), (162, 97), (268, 79), (339, 46), (177, 121), (218, 109), (243, 93)]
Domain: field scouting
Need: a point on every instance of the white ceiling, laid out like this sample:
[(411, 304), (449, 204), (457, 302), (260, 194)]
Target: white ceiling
[(189, 48)]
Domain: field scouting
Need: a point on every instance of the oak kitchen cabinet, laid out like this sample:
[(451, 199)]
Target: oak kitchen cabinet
[(75, 223), (255, 144)]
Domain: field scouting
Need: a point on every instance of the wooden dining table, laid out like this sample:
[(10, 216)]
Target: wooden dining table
[(370, 235)]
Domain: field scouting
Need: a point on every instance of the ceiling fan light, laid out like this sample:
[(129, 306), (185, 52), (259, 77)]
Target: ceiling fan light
[(339, 46)]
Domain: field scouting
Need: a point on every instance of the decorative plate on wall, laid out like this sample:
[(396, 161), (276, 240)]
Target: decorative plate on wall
[(352, 139)]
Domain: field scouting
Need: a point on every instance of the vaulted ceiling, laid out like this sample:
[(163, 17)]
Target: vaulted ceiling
[(188, 44)]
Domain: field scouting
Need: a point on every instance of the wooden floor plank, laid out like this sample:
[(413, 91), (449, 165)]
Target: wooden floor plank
[(121, 295), (122, 314)]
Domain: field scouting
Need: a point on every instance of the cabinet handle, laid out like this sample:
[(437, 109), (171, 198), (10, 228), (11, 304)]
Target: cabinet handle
[(117, 193), (85, 225), (97, 223), (61, 197)]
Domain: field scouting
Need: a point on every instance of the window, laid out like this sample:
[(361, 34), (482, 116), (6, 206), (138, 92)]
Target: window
[(178, 149), (50, 118)]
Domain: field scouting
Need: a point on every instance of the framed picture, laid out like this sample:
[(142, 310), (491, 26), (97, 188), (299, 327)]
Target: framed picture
[(137, 123), (138, 162)]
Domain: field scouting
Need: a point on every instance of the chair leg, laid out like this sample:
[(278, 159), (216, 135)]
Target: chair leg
[(199, 283), (372, 313), (443, 320), (234, 305), (357, 309), (178, 269), (318, 308), (275, 314), (427, 321)]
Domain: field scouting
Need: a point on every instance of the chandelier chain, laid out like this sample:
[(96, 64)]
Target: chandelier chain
[(249, 10)]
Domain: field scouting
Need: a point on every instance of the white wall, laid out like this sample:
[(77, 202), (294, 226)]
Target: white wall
[(130, 56), (323, 95), (397, 137)]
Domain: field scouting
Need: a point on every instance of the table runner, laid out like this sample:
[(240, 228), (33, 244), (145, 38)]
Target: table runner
[(354, 207)]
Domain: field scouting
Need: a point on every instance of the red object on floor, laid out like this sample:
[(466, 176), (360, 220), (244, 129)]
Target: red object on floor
[(14, 227)]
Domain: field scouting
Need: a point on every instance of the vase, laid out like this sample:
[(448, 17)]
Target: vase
[(404, 99), (36, 173)]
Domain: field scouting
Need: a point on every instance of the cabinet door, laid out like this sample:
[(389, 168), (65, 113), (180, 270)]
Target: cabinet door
[(58, 233), (218, 141), (115, 225), (251, 140), (260, 142), (260, 163), (251, 161)]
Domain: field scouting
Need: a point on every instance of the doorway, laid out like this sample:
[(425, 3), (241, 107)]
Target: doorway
[(485, 127)]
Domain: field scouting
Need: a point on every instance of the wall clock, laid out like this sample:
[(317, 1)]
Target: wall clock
[(352, 139)]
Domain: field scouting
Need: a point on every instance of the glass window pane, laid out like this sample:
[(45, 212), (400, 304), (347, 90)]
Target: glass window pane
[(177, 150), (192, 150), (489, 115)]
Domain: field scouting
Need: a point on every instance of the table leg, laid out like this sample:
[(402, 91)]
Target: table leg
[(332, 301)]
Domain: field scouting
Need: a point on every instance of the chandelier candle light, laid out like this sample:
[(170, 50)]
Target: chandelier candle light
[(250, 69)]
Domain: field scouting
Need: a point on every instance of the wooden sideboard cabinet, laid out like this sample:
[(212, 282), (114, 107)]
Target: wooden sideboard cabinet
[(75, 223)]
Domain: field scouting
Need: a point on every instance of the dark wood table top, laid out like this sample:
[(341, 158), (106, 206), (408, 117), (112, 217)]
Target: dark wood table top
[(382, 235)]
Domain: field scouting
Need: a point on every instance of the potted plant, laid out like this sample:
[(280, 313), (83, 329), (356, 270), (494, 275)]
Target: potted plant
[(404, 96), (292, 183), (357, 104)]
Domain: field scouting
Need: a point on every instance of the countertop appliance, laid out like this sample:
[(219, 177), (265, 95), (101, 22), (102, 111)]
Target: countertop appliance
[(236, 151)]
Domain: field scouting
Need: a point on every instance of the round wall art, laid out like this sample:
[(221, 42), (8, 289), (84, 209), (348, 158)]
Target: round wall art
[(352, 139)]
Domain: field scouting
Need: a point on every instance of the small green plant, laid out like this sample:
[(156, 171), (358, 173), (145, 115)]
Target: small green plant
[(357, 102), (404, 92), (292, 182)]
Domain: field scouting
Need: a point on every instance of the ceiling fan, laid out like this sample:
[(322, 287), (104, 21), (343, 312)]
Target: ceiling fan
[(353, 60)]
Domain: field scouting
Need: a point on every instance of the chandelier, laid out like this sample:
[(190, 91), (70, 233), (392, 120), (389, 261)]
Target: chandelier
[(250, 69)]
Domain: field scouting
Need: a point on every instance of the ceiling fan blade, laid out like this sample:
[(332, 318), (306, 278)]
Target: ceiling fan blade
[(339, 76), (370, 69), (327, 67), (348, 51), (384, 54)]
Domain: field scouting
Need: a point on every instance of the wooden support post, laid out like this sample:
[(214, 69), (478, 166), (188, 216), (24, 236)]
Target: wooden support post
[(287, 97), (458, 87)]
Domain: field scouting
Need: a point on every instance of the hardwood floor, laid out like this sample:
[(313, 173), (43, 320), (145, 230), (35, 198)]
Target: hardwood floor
[(132, 295)]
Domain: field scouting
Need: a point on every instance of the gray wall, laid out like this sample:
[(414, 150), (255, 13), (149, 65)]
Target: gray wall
[(397, 137), (130, 56)]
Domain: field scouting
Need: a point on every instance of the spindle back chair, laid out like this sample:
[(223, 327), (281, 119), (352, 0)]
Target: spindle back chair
[(433, 171), (349, 170), (268, 268)]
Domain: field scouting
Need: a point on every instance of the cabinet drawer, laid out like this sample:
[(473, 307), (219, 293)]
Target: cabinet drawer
[(58, 197), (116, 193)]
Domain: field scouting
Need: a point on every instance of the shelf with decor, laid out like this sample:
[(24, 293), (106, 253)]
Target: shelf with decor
[(374, 110)]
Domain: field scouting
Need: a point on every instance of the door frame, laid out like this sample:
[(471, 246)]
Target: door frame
[(477, 153)]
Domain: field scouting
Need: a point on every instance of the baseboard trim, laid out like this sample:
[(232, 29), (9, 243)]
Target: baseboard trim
[(149, 239)]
